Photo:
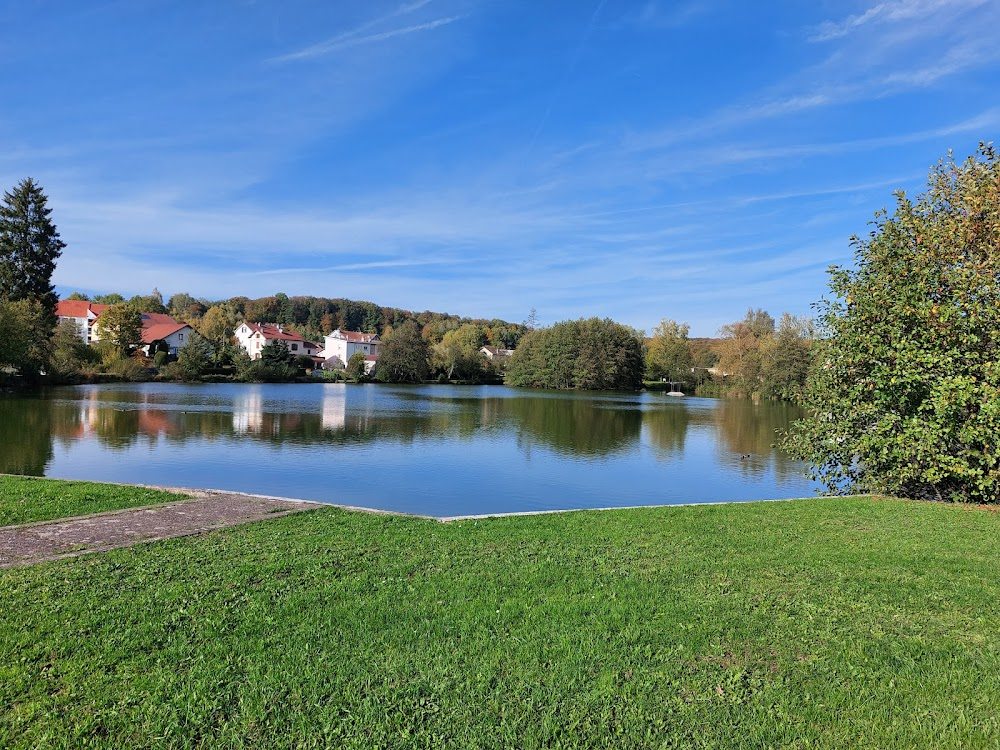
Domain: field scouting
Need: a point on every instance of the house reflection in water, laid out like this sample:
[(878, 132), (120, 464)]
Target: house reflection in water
[(334, 408), (248, 412)]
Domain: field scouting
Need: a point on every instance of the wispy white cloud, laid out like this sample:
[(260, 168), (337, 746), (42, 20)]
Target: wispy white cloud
[(364, 34), (887, 13)]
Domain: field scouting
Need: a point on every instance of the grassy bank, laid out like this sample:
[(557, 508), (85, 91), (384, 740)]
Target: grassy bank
[(26, 499), (826, 623)]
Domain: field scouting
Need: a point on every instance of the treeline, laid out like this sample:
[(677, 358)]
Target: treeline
[(311, 317), (755, 357)]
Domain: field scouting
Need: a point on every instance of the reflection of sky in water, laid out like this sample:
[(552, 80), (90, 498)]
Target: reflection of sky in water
[(437, 450)]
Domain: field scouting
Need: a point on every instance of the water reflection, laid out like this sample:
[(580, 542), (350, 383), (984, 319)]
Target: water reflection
[(25, 436), (454, 423)]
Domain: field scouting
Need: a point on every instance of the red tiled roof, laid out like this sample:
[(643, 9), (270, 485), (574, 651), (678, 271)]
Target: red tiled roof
[(161, 330), (78, 308), (355, 336), (269, 331), (152, 319)]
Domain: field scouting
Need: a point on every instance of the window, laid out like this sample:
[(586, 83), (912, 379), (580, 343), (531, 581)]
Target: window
[(180, 336), (295, 347)]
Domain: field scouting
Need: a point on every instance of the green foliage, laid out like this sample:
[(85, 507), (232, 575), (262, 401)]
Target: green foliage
[(904, 392), (458, 355), (243, 365), (217, 326), (108, 299), (355, 367), (183, 306), (149, 303), (29, 248), (403, 356), (69, 353), (785, 361), (120, 330), (24, 337), (591, 354), (276, 364), (194, 358), (126, 368), (759, 361), (669, 352)]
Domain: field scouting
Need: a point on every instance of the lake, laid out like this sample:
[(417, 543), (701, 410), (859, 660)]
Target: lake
[(435, 450)]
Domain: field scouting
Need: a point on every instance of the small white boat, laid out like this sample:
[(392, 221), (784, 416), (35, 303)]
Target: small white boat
[(674, 393)]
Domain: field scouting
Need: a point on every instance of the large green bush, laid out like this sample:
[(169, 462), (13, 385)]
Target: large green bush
[(904, 390)]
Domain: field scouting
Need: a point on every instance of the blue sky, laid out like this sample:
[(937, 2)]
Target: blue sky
[(621, 158)]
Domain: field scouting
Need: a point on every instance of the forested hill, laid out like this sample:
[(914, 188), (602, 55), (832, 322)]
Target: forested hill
[(314, 317)]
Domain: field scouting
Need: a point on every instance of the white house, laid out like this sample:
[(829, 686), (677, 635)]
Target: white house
[(158, 327), (82, 313), (343, 344), (255, 336), (155, 326)]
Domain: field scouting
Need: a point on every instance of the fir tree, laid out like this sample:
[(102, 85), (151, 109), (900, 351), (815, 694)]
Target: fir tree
[(29, 247)]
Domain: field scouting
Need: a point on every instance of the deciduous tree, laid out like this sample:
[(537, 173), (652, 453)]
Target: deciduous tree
[(24, 337), (403, 355), (120, 329), (904, 390), (669, 353), (585, 354), (217, 326)]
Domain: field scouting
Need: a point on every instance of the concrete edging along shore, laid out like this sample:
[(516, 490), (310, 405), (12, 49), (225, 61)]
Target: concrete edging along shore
[(198, 511)]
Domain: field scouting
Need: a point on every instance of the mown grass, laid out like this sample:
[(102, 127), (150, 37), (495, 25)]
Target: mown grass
[(818, 623), (26, 499)]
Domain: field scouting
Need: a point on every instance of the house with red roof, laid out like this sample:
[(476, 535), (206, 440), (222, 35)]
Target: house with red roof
[(83, 314), (159, 327), (255, 336), (155, 326), (341, 345)]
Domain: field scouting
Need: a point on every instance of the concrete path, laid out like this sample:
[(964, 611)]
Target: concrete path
[(70, 537)]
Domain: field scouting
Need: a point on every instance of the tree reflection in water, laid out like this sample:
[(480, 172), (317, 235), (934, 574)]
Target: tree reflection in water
[(494, 423)]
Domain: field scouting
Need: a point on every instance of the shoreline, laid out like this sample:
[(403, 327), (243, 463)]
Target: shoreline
[(216, 492)]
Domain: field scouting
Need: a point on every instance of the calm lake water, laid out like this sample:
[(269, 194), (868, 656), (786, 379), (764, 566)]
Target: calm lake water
[(434, 450)]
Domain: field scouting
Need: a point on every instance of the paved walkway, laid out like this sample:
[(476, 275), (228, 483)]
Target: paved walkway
[(70, 537)]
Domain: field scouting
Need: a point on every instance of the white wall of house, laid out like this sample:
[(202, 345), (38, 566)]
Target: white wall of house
[(343, 344), (252, 340), (84, 327), (178, 339)]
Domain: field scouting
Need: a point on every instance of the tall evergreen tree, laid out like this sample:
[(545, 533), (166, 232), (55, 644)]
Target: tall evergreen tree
[(29, 247)]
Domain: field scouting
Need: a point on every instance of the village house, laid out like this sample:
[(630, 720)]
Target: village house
[(155, 326), (160, 327), (255, 336), (81, 313), (342, 345)]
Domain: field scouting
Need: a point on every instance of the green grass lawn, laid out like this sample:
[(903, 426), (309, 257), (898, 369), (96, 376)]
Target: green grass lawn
[(25, 499), (817, 623)]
